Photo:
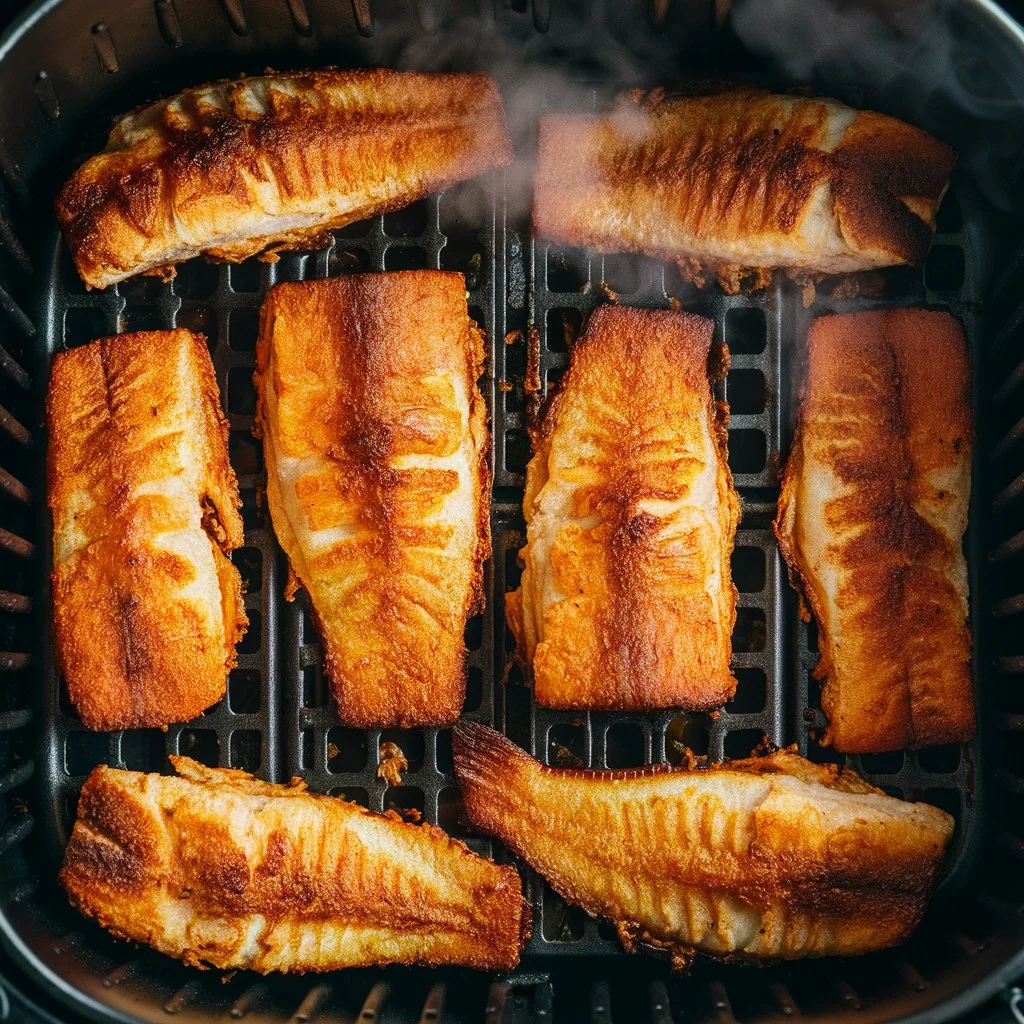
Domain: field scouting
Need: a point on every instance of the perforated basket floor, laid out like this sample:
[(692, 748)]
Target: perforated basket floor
[(277, 719)]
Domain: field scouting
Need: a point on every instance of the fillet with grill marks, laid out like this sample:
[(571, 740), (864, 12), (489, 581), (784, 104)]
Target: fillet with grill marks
[(147, 607), (761, 859), (736, 184), (277, 161), (217, 868), (375, 439), (626, 600), (871, 523)]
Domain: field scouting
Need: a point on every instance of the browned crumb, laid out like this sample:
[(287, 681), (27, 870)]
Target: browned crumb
[(392, 762)]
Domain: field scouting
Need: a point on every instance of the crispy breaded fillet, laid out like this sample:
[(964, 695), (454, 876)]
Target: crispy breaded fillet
[(218, 868), (760, 859), (742, 182), (375, 438), (871, 523), (147, 607), (233, 168), (626, 600)]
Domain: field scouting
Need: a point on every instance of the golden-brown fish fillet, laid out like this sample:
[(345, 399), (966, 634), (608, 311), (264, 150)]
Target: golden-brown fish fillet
[(147, 607), (742, 182), (871, 523), (218, 868), (375, 439), (766, 858), (233, 168), (626, 600)]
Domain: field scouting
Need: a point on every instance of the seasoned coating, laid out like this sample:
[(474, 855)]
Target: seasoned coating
[(273, 162), (871, 523), (147, 607), (626, 600), (761, 859), (375, 438), (736, 184), (217, 868)]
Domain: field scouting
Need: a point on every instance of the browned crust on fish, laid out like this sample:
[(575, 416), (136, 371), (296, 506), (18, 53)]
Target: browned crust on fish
[(885, 432), (359, 375), (737, 184), (133, 649), (273, 162), (760, 859), (633, 427), (221, 870)]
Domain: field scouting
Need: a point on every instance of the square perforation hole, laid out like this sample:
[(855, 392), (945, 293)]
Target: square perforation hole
[(887, 763), (84, 750), (409, 221), (247, 276), (142, 750), (252, 511), (947, 800), (477, 315), (246, 750), (243, 326), (750, 632), (748, 569), (944, 269), (200, 744), (566, 270), (567, 745), (143, 290), (474, 689), (748, 451), (746, 330), (357, 229), (244, 691), (250, 642), (949, 218), (746, 392), (249, 562), (560, 921), (245, 454), (353, 794), (347, 261), (473, 637), (451, 811), (823, 755), (84, 325), (685, 733), (939, 760), (241, 393), (444, 756), (199, 320), (410, 742), (405, 798), (315, 691), (517, 450), (563, 328), (347, 749), (405, 257), (751, 691), (195, 279), (624, 746), (741, 743), (465, 256), (144, 318), (622, 273)]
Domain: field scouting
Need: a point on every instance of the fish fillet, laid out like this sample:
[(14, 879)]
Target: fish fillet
[(147, 607), (276, 161), (217, 868), (761, 859), (375, 440), (626, 600), (871, 523), (736, 184)]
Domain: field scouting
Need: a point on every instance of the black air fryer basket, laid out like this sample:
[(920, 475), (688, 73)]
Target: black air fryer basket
[(68, 67)]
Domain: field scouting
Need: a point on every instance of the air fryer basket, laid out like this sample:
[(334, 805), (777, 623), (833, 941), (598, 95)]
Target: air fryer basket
[(956, 68)]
